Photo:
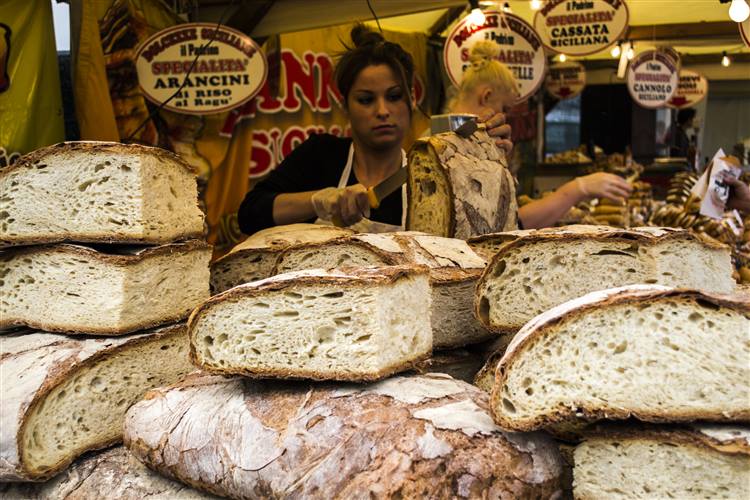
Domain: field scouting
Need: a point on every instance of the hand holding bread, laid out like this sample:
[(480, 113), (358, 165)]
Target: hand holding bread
[(345, 205), (497, 129)]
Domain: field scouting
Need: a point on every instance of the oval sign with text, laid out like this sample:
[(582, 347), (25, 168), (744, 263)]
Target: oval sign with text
[(228, 71), (692, 88), (520, 49), (652, 78), (566, 80), (581, 27), (745, 31)]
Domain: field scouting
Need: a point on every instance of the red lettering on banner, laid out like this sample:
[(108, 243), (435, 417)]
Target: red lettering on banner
[(265, 102), (327, 87), (293, 137), (261, 160), (298, 78)]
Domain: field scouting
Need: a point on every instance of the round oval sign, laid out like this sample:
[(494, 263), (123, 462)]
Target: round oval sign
[(745, 31), (228, 72), (581, 27), (652, 78), (520, 49), (566, 80), (692, 87)]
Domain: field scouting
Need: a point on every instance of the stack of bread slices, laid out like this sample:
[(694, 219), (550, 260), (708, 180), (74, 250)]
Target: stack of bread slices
[(102, 260), (633, 344)]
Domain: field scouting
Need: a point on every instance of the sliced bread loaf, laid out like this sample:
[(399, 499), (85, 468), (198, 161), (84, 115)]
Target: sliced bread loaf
[(63, 396), (454, 270), (255, 258), (650, 352), (545, 268), (111, 290), (687, 463), (359, 325), (113, 473), (405, 437), (98, 192), (460, 187)]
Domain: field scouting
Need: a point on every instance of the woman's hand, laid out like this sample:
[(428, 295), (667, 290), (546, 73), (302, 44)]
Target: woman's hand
[(739, 196), (604, 185), (347, 205), (497, 129)]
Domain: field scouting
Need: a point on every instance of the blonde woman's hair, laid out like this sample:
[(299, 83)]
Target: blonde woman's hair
[(486, 69)]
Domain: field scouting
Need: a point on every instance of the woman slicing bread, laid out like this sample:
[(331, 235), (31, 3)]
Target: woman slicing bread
[(487, 87), (326, 177)]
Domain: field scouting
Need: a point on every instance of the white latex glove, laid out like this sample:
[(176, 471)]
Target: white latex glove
[(342, 206), (604, 185)]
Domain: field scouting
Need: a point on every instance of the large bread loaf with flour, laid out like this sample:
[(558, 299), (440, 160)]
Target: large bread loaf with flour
[(701, 461), (111, 290), (645, 351), (255, 258), (454, 270), (98, 192), (63, 396), (545, 268), (405, 437), (111, 474), (460, 187), (362, 324)]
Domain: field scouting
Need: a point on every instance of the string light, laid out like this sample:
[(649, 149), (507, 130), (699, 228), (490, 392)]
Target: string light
[(476, 16), (631, 52), (616, 50), (725, 61), (562, 57), (739, 11), (536, 4), (506, 8)]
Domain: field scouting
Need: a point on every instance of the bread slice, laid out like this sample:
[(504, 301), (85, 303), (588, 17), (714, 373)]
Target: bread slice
[(454, 270), (359, 325), (487, 245), (460, 187), (113, 473), (98, 192), (255, 258), (63, 396), (686, 463), (107, 290), (539, 271), (650, 352), (405, 437)]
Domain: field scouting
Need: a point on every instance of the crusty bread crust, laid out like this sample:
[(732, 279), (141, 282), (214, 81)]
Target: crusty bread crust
[(536, 330)]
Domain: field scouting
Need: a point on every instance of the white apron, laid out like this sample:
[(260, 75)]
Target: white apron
[(367, 225)]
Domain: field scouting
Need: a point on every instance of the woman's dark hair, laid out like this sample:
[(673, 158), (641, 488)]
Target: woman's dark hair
[(370, 48), (685, 115)]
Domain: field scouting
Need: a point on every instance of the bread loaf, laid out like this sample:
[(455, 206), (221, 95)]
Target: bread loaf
[(254, 259), (487, 245), (104, 291), (460, 187), (460, 364), (648, 352), (545, 268), (63, 396), (359, 325), (405, 437), (113, 473), (687, 463), (98, 192), (454, 270)]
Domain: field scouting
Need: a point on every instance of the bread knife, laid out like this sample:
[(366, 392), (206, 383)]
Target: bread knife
[(467, 128), (375, 194)]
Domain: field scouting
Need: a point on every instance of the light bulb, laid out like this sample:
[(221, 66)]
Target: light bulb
[(563, 58), (476, 17), (739, 11), (616, 50), (725, 61), (631, 53), (536, 4), (506, 8)]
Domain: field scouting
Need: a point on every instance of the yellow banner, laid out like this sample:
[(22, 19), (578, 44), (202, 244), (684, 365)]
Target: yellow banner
[(31, 114)]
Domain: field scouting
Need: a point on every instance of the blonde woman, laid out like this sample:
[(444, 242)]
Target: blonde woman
[(488, 88)]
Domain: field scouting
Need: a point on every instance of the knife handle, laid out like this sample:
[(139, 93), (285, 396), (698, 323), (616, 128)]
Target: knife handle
[(372, 198)]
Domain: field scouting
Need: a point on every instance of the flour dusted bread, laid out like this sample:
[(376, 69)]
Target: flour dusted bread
[(460, 187), (693, 462), (649, 352), (98, 192), (548, 267), (362, 324), (454, 270), (405, 437), (108, 290), (113, 473), (255, 258), (63, 396)]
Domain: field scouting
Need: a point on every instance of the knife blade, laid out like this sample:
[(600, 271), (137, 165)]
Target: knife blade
[(376, 193), (467, 128)]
